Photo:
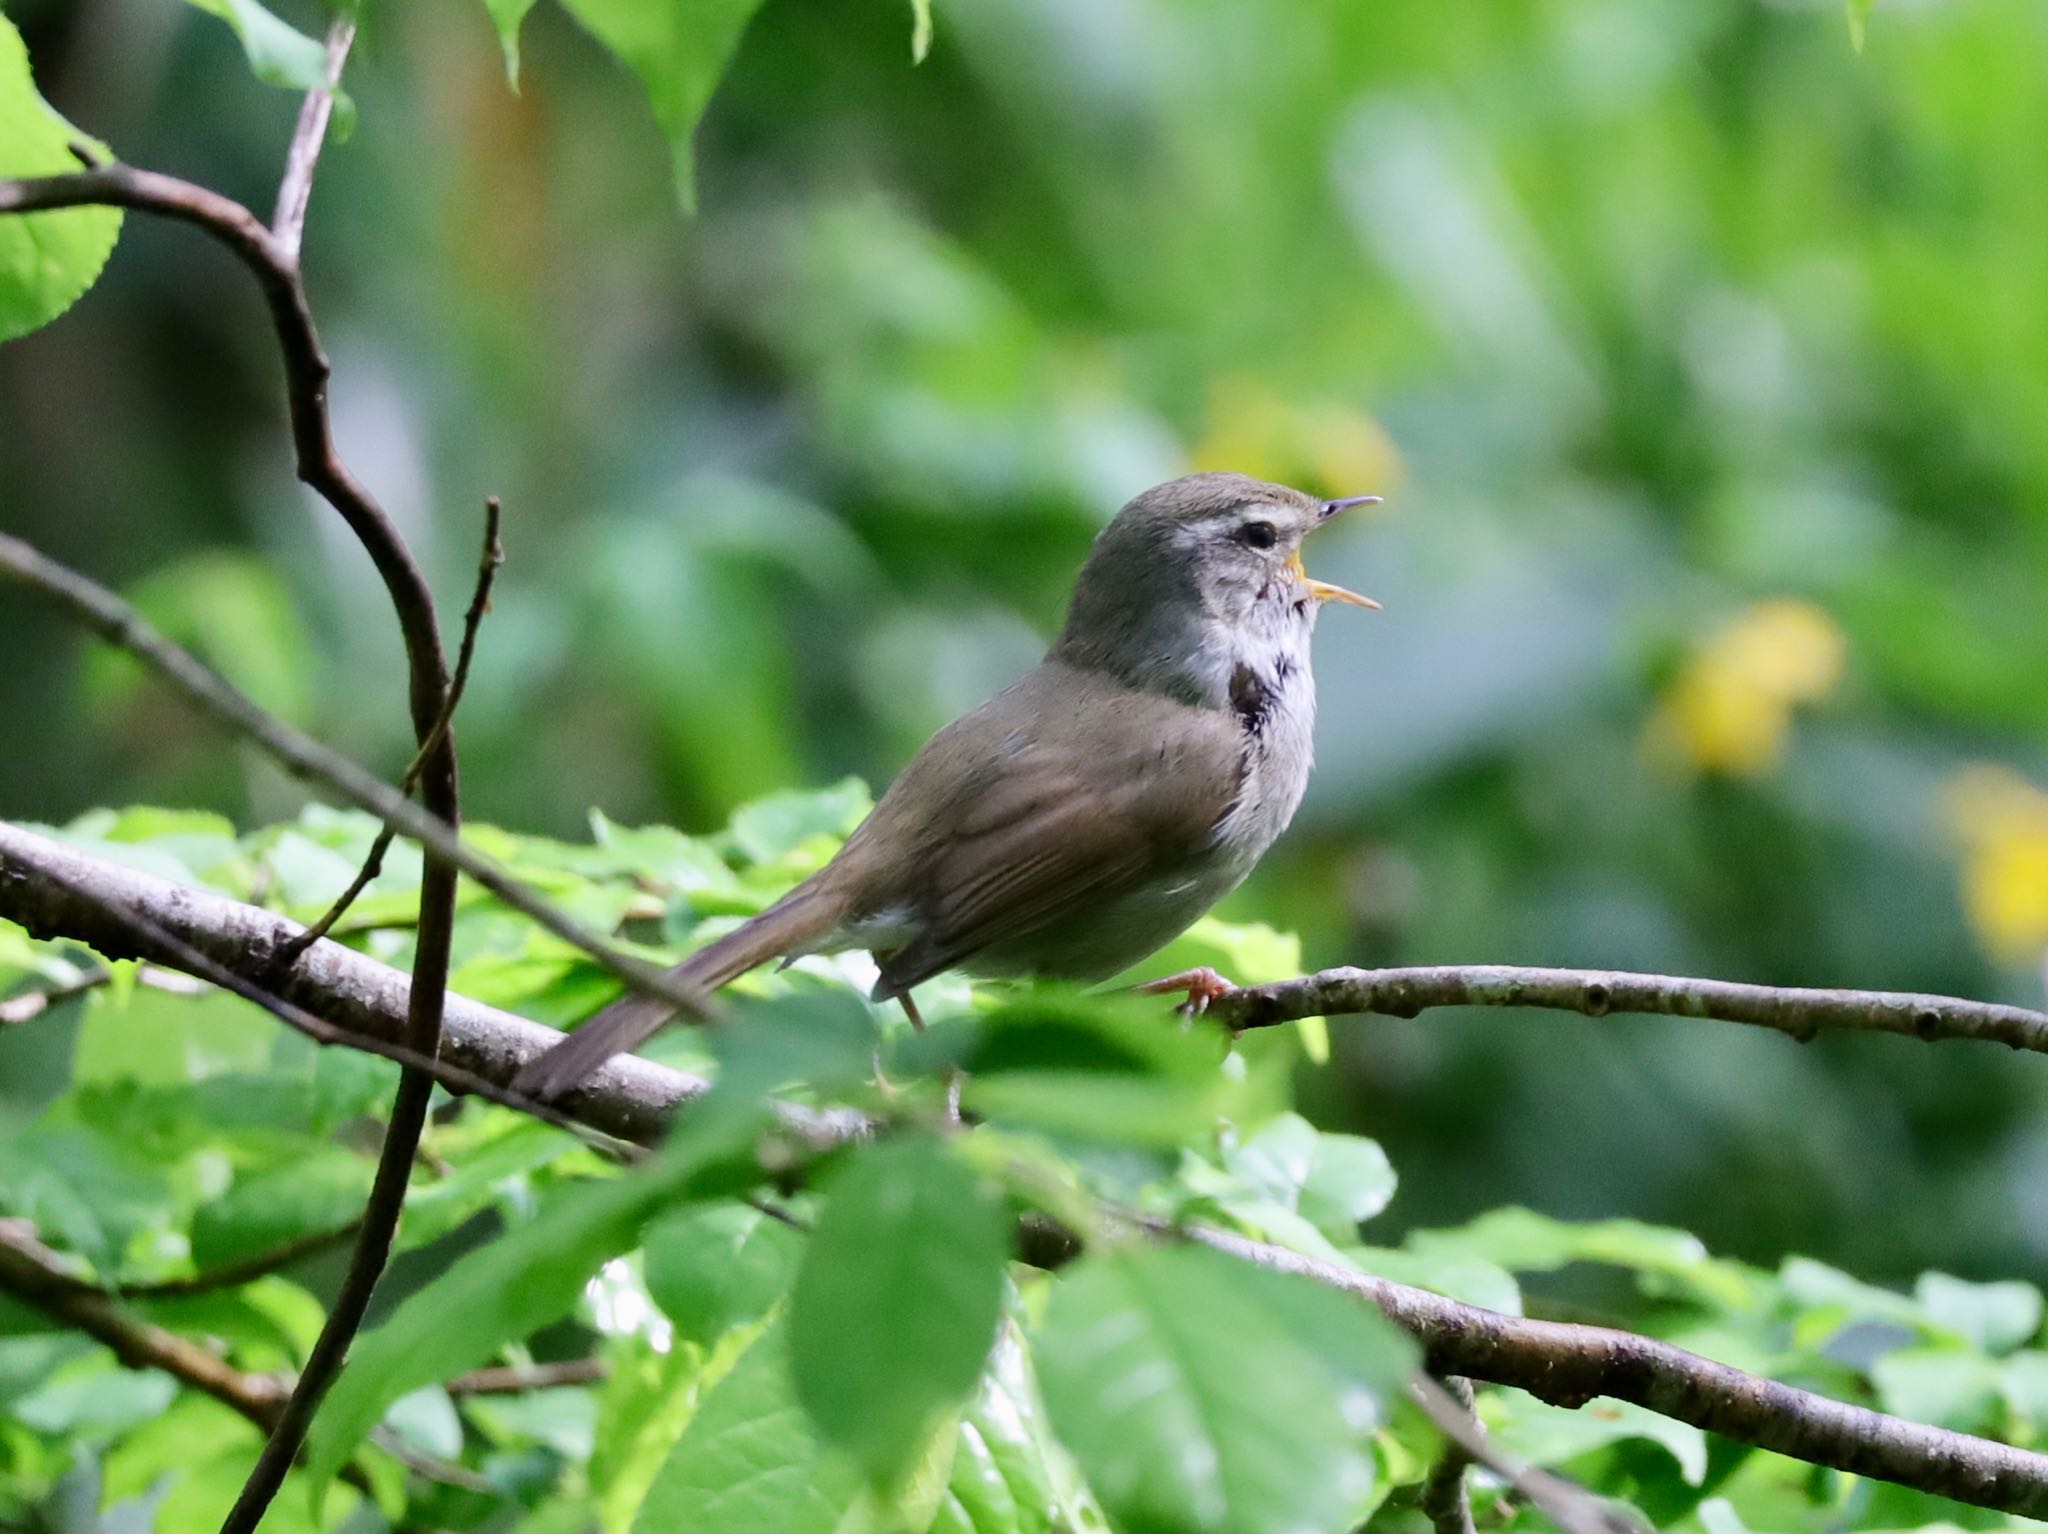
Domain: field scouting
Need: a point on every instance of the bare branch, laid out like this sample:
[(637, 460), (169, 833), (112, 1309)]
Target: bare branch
[(229, 1275), (1572, 1509), (295, 192), (479, 604), (1569, 1365), (32, 1272), (57, 891), (512, 1379), (25, 1006), (115, 621), (1802, 1013), (1446, 1502)]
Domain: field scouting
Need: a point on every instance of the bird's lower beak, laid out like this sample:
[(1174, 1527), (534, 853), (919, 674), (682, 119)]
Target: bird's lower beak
[(1323, 591)]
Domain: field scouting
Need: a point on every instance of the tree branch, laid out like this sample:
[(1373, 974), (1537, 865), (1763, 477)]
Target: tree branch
[(512, 1379), (1573, 1509), (1802, 1013), (295, 192), (56, 891), (32, 1272), (479, 604), (1569, 1365), (119, 624)]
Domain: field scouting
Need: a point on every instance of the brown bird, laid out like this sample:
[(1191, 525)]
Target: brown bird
[(1082, 818)]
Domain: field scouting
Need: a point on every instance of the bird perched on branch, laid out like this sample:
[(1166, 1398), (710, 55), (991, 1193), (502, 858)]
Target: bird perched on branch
[(1082, 818)]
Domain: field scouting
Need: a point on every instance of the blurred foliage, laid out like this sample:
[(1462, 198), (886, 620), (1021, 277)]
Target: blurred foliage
[(1669, 321), (861, 1354)]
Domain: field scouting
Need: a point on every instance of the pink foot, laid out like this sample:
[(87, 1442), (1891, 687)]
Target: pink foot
[(1199, 986)]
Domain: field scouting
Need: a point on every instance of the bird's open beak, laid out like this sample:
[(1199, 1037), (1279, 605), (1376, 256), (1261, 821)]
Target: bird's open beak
[(1323, 591)]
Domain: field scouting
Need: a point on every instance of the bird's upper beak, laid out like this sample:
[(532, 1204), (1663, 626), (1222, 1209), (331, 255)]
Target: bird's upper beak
[(1323, 591)]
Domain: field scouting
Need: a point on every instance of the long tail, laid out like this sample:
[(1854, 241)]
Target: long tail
[(799, 917)]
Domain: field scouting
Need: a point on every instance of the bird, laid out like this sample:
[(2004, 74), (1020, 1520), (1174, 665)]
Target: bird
[(1088, 814)]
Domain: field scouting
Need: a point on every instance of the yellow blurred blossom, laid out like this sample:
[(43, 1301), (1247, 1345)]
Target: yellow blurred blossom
[(1729, 709), (2002, 822), (1324, 447)]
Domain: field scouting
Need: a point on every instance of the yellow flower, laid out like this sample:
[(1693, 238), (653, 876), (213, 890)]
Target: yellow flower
[(2002, 822), (1729, 709)]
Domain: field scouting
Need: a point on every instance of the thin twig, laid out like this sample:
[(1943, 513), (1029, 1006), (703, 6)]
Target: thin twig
[(1797, 1011), (1569, 1365), (25, 1006), (1446, 1501), (230, 1275), (34, 1274), (119, 624), (1571, 1508), (479, 604), (31, 1271), (513, 1379), (295, 192)]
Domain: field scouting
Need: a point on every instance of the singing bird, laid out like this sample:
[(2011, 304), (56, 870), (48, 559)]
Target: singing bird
[(1083, 817)]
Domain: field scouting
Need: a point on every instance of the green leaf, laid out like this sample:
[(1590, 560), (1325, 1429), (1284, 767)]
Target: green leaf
[(1550, 1435), (506, 16), (1523, 1241), (1996, 1317), (278, 53), (508, 1290), (920, 30), (1004, 1480), (1200, 1393), (1857, 13), (1095, 1067), (1334, 1181), (236, 612), (773, 827), (896, 1303), (719, 1267), (47, 260), (1456, 1274), (1945, 1386), (679, 50), (750, 1459), (263, 1210)]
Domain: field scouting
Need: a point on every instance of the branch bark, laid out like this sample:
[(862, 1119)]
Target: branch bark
[(1798, 1012)]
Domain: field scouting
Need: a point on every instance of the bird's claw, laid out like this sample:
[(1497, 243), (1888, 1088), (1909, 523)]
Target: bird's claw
[(1198, 987)]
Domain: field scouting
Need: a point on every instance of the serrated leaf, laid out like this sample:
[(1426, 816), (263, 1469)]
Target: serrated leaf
[(47, 260), (1334, 1181), (896, 1303), (1203, 1395), (679, 52), (511, 1288), (750, 1458), (719, 1267)]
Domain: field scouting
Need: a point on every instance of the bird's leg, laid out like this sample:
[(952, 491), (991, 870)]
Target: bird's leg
[(1199, 987), (910, 1011)]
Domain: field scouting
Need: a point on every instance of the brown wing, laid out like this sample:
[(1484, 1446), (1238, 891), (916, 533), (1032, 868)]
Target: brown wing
[(1065, 791)]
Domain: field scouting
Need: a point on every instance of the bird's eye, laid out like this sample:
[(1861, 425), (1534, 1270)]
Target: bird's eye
[(1260, 535)]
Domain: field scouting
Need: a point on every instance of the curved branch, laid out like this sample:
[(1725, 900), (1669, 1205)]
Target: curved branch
[(272, 260), (1797, 1011), (1569, 1365)]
